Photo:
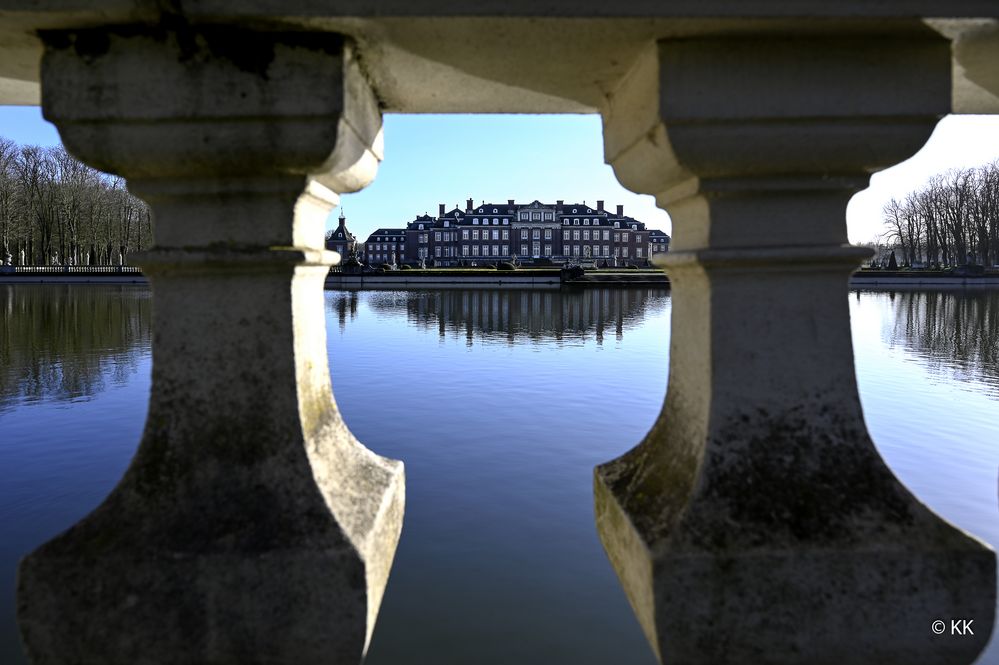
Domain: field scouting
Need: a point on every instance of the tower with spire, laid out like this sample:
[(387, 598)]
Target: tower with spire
[(341, 240)]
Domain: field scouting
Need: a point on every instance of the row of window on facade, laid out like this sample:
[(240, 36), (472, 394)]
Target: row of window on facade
[(378, 250), (538, 217), (532, 250), (534, 234)]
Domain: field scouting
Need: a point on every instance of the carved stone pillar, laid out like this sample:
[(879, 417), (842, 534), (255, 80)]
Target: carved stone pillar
[(251, 527), (757, 523)]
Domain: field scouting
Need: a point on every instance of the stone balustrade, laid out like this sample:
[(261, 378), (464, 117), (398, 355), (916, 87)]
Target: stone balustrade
[(756, 523)]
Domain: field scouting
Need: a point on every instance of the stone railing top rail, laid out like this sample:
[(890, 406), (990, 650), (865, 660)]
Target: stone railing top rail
[(511, 8), (512, 56)]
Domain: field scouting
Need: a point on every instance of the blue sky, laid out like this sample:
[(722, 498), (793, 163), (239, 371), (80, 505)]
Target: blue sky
[(431, 159)]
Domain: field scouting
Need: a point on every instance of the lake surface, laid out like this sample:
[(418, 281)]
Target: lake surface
[(500, 403)]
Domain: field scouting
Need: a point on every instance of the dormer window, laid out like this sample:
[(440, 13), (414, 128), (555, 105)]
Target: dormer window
[(480, 209), (475, 220), (495, 210), (421, 227), (574, 210)]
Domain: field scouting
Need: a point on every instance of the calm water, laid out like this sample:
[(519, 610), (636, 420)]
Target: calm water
[(500, 403)]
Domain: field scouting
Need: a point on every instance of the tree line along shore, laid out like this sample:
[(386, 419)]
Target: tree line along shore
[(55, 210), (952, 220)]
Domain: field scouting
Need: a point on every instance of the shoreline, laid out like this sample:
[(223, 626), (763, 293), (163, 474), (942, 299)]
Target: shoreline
[(543, 278)]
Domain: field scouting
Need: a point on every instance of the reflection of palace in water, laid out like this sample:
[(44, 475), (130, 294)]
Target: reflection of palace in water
[(954, 331), (514, 314), (62, 342)]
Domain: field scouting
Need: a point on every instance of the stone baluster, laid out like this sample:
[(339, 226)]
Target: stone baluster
[(251, 526), (756, 522)]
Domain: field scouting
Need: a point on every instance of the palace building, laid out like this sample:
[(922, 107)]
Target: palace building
[(493, 232), (341, 240), (659, 241), (385, 246)]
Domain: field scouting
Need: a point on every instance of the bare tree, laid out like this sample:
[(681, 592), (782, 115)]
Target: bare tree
[(953, 219), (53, 207), (8, 163)]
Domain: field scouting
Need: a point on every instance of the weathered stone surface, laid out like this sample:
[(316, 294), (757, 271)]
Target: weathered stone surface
[(251, 527), (509, 56), (756, 522)]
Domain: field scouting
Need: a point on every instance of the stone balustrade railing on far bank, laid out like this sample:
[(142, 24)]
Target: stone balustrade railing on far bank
[(71, 274)]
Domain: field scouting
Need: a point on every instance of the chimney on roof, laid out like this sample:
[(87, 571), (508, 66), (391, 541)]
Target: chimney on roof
[(558, 204), (509, 202), (440, 209), (468, 205), (600, 206), (620, 211)]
